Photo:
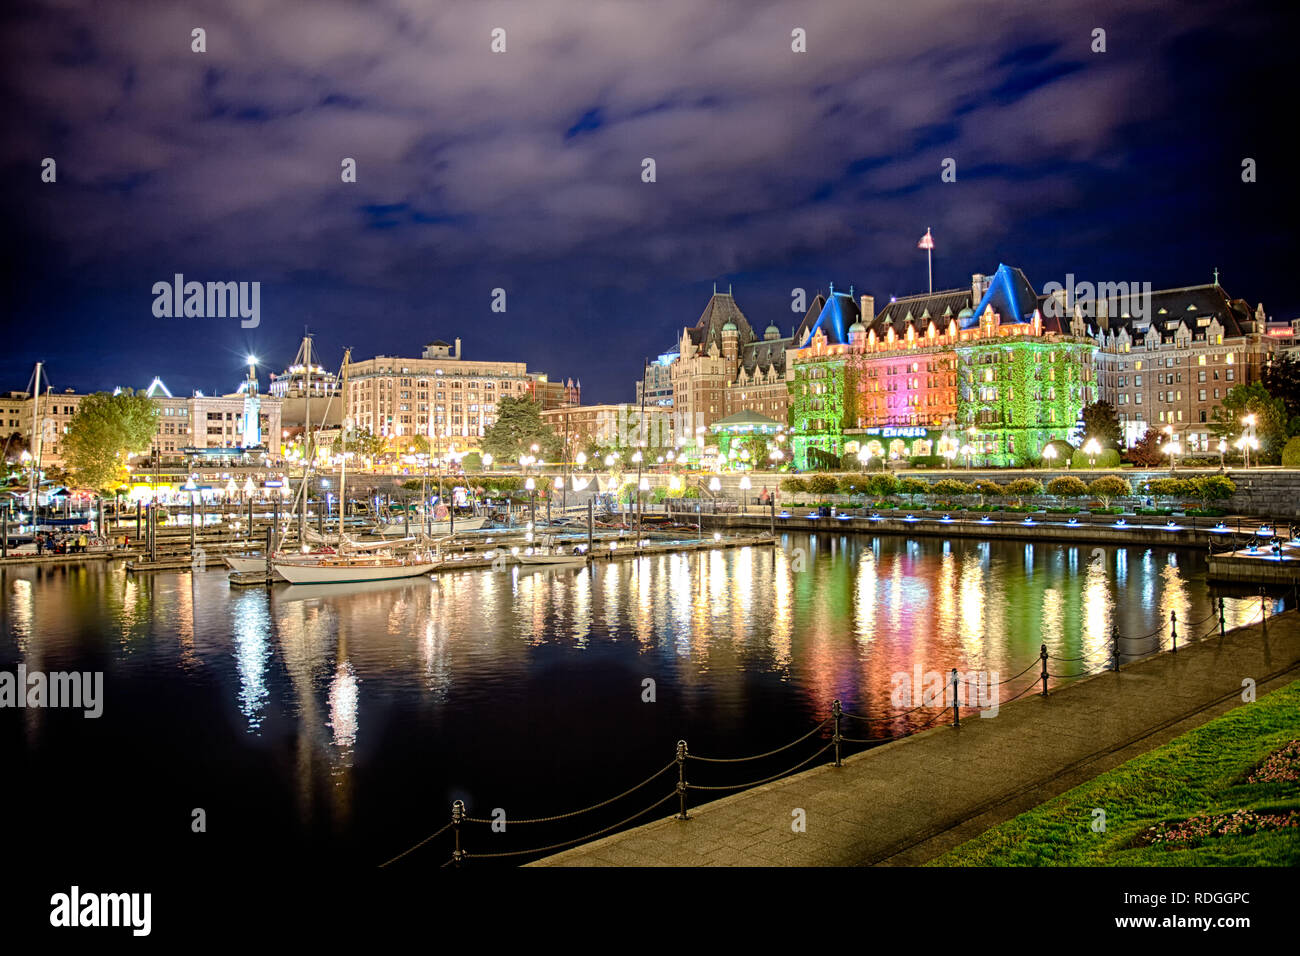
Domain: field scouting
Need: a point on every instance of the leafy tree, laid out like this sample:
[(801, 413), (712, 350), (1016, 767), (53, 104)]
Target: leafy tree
[(852, 485), (105, 429), (1281, 378), (952, 488), (912, 487), (1213, 488), (883, 485), (1100, 421), (822, 485), (988, 489), (518, 427), (1168, 487), (794, 486), (1067, 486), (1270, 419), (1108, 487), (1291, 453), (1022, 488), (1145, 452)]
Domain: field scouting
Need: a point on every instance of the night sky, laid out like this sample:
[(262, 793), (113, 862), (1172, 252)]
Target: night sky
[(522, 170)]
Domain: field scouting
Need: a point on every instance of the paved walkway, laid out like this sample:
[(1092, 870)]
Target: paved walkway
[(908, 801)]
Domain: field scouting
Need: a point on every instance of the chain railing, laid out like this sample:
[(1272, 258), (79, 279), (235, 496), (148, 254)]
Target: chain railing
[(946, 707)]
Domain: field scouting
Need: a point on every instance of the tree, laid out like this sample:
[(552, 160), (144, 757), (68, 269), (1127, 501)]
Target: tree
[(518, 427), (1145, 452), (1024, 487), (1281, 379), (794, 486), (883, 485), (822, 485), (1101, 422), (105, 429), (1067, 486), (911, 486), (1108, 487), (1270, 419), (1213, 488)]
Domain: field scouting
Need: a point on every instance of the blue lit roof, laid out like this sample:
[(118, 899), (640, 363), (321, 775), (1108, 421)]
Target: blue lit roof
[(1011, 296), (839, 312)]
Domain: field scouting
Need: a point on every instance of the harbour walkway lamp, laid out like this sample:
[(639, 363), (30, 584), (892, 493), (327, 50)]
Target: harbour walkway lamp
[(1092, 449), (1223, 447), (1049, 456)]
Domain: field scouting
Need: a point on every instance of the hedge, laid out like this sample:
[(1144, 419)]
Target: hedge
[(1107, 458), (1291, 453)]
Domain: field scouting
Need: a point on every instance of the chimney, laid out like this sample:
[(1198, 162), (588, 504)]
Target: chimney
[(458, 347), (868, 309), (977, 288)]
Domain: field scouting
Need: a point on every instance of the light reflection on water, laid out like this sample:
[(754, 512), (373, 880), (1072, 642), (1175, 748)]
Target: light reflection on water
[(385, 697)]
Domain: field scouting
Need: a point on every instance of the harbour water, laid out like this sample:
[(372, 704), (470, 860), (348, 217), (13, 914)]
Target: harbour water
[(338, 724)]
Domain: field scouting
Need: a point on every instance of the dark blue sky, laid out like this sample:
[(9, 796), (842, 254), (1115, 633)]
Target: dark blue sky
[(522, 170)]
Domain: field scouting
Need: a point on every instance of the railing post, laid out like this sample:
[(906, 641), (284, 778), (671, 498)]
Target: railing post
[(457, 814), (1221, 622), (1042, 654), (956, 713), (1173, 630), (681, 780), (836, 711), (1114, 647), (1263, 614)]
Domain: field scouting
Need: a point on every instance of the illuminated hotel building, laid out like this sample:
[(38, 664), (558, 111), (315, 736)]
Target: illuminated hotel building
[(929, 374)]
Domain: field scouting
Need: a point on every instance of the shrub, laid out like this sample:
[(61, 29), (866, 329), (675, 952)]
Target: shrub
[(989, 489), (1291, 453), (1064, 452), (1169, 487), (1108, 487), (1107, 458), (883, 485), (951, 488), (472, 462), (927, 461), (1021, 488), (911, 487), (853, 484), (823, 485), (1207, 488), (794, 486), (1067, 486)]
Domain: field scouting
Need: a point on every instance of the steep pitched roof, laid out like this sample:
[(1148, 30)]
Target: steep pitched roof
[(1193, 306), (838, 312), (721, 309)]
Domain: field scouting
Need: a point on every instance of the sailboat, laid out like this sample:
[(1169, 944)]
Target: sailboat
[(351, 562)]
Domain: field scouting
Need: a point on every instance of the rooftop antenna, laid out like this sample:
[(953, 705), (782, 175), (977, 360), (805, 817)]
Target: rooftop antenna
[(1216, 276)]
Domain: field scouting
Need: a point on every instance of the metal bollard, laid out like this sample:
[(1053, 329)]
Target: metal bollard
[(835, 712), (1042, 653), (956, 712), (457, 814), (1114, 647), (1173, 630), (1221, 622), (1263, 614), (681, 780)]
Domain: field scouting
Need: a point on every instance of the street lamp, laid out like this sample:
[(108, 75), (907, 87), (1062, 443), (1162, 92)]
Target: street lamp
[(968, 451), (1170, 446), (1092, 449), (1223, 447), (1049, 456)]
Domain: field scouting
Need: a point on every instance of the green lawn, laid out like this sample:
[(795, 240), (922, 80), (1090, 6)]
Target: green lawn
[(1204, 771)]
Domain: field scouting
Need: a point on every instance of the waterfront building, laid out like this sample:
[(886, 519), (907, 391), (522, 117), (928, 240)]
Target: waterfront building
[(619, 425), (1172, 366), (723, 367), (296, 390), (656, 384), (928, 376), (550, 394)]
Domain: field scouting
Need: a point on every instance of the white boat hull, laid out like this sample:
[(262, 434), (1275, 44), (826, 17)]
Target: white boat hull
[(551, 559), (345, 572)]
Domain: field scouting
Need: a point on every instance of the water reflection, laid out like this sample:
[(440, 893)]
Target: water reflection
[(421, 687)]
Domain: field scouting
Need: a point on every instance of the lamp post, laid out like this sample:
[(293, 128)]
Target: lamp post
[(531, 487), (1170, 445), (745, 485), (968, 451), (1092, 449), (1248, 440), (1223, 447), (1049, 456)]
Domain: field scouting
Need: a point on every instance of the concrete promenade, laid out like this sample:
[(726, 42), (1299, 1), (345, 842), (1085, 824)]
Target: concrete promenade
[(908, 801)]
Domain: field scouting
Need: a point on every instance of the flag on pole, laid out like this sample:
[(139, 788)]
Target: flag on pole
[(927, 241)]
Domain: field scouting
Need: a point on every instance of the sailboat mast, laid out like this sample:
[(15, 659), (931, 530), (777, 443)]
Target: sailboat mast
[(306, 435), (36, 433), (343, 444)]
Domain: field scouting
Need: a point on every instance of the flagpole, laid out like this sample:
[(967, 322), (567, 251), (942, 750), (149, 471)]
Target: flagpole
[(929, 269)]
